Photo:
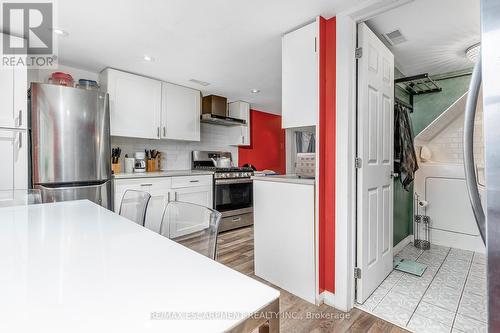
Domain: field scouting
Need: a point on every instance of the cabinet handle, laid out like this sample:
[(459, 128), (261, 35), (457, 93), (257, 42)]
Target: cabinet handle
[(20, 139), (194, 181), (20, 118), (158, 132), (168, 197), (175, 196), (146, 185), (236, 219), (164, 131)]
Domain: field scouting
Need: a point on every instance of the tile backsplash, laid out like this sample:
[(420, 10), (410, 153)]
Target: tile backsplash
[(212, 137), (447, 146)]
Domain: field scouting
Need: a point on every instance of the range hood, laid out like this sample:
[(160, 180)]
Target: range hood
[(219, 120), (214, 111)]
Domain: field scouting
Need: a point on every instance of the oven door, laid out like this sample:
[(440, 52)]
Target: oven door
[(233, 194)]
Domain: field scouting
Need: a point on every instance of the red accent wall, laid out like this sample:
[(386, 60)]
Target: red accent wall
[(327, 150), (267, 139)]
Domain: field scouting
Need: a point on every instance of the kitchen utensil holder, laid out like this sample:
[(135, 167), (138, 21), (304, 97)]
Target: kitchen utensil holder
[(151, 165), (116, 168)]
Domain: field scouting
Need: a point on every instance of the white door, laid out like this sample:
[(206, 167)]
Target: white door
[(135, 105), (200, 195), (7, 117), (13, 169), (20, 97), (375, 151), (180, 115), (300, 76)]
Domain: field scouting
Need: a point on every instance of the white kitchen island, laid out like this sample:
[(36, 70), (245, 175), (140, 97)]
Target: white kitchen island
[(77, 267), (284, 233)]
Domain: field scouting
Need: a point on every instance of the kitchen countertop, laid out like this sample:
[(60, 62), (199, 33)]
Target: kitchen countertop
[(293, 179), (173, 173), (76, 267)]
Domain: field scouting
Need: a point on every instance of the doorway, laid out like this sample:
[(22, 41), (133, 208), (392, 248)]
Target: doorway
[(451, 293)]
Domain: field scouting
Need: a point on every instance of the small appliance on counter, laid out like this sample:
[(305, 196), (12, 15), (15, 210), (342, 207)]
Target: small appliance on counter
[(140, 161), (129, 164), (305, 166)]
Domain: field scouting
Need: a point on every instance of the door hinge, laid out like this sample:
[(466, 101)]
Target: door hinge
[(358, 53), (358, 162), (357, 273)]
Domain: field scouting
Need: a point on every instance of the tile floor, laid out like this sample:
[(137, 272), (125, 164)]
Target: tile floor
[(449, 297)]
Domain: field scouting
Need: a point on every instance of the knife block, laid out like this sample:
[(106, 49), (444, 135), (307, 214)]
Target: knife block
[(151, 165), (116, 168)]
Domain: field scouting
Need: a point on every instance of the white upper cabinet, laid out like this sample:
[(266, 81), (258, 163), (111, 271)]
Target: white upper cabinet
[(135, 104), (240, 134), (13, 96), (300, 77), (180, 113), (13, 169), (146, 108)]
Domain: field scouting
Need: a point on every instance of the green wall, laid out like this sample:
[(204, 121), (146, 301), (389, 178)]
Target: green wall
[(426, 108), (402, 200), (429, 107)]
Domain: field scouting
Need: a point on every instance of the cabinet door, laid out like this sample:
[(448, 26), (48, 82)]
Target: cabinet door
[(13, 169), (180, 115), (240, 134), (135, 104), (300, 77), (20, 95), (7, 118), (156, 206), (200, 195)]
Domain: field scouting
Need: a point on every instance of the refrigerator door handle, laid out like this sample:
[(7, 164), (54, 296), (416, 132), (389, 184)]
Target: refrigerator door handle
[(470, 172)]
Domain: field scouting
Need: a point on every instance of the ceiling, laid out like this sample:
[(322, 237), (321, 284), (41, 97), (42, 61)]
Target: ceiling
[(233, 45), (437, 31)]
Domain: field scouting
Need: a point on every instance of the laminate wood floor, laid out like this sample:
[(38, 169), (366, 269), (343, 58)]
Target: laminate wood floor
[(235, 249)]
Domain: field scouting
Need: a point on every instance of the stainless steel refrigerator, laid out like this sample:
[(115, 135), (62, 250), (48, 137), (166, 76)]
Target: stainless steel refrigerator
[(487, 72), (70, 155)]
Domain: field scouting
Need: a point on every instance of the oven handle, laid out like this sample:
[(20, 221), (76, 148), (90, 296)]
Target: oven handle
[(233, 181)]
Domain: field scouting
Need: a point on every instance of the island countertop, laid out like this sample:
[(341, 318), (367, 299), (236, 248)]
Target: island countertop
[(294, 179), (77, 267)]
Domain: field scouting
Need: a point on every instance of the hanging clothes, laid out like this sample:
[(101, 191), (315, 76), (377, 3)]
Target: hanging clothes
[(405, 159)]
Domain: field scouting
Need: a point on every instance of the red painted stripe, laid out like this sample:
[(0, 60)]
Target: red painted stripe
[(327, 77), (267, 143)]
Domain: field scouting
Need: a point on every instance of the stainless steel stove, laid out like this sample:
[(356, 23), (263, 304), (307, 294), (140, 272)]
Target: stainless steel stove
[(233, 188)]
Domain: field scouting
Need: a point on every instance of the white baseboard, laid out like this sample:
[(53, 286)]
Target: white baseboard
[(328, 298), (399, 246)]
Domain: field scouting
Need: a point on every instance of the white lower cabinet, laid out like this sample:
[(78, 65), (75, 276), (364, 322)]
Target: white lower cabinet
[(14, 166), (192, 189), (200, 195), (284, 236)]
